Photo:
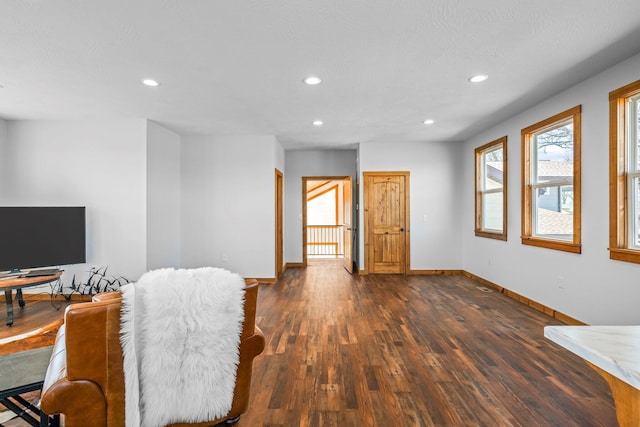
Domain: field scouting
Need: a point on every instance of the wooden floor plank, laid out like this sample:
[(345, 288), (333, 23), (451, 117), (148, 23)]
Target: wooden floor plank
[(423, 351), (412, 351)]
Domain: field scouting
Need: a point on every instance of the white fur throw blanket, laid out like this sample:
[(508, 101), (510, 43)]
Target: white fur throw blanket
[(180, 333)]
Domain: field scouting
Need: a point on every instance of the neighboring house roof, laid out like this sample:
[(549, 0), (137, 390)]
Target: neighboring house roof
[(546, 168), (557, 223), (494, 172), (550, 168), (495, 165)]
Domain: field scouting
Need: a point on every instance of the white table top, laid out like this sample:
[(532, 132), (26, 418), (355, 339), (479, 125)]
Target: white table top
[(614, 349)]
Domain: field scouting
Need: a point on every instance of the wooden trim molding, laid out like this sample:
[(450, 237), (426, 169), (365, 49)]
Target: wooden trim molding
[(279, 225), (526, 301), (434, 272), (263, 280), (568, 320), (552, 244), (294, 265)]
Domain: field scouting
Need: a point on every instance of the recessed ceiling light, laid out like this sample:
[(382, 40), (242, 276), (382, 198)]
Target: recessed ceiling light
[(318, 122), (429, 122), (478, 78), (312, 80), (150, 82)]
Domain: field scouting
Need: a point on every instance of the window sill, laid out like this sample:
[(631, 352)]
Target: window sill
[(491, 235), (574, 248), (626, 255)]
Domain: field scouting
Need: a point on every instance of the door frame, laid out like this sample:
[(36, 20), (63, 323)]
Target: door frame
[(347, 225), (304, 207), (279, 216), (367, 227)]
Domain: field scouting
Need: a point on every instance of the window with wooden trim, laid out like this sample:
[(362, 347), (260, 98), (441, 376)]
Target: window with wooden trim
[(624, 173), (491, 190), (551, 182)]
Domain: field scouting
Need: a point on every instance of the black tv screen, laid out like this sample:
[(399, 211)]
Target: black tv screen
[(33, 237)]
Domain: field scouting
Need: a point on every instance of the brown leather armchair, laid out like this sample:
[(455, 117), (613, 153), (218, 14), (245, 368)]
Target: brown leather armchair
[(85, 378)]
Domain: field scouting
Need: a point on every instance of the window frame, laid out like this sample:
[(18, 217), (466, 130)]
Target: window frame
[(479, 175), (620, 176), (528, 238)]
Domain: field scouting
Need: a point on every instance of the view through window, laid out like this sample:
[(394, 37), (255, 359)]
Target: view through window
[(633, 175), (491, 183), (551, 182), (624, 173)]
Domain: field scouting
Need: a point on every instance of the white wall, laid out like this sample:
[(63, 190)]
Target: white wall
[(435, 188), (589, 286), (163, 197), (97, 164), (3, 156), (279, 157), (228, 211), (308, 163), (280, 165)]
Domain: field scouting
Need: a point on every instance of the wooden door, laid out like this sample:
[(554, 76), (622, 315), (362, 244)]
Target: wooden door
[(386, 218), (347, 224)]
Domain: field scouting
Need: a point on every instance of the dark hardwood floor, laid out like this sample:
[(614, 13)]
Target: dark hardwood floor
[(412, 351), (393, 351)]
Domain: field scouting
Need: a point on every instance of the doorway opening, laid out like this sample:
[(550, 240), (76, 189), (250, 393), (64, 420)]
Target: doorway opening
[(327, 213)]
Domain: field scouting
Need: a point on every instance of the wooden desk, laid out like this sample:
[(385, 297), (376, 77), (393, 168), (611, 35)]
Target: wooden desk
[(614, 352), (18, 283)]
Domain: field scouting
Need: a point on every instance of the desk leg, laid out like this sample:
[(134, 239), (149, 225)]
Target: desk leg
[(625, 397), (19, 298), (7, 297)]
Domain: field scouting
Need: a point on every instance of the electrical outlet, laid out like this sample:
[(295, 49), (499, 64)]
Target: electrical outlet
[(224, 258)]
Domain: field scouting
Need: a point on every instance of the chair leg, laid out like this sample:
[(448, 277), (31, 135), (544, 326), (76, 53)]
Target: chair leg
[(232, 421)]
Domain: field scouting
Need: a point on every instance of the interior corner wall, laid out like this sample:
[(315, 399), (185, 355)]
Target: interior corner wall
[(279, 156), (434, 192), (97, 164), (163, 197), (3, 159), (299, 163), (589, 286), (228, 210)]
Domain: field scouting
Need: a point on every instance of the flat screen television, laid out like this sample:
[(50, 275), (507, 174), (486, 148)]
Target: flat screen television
[(32, 237)]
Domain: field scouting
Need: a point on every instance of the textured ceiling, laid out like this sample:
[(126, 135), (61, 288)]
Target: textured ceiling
[(236, 66)]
